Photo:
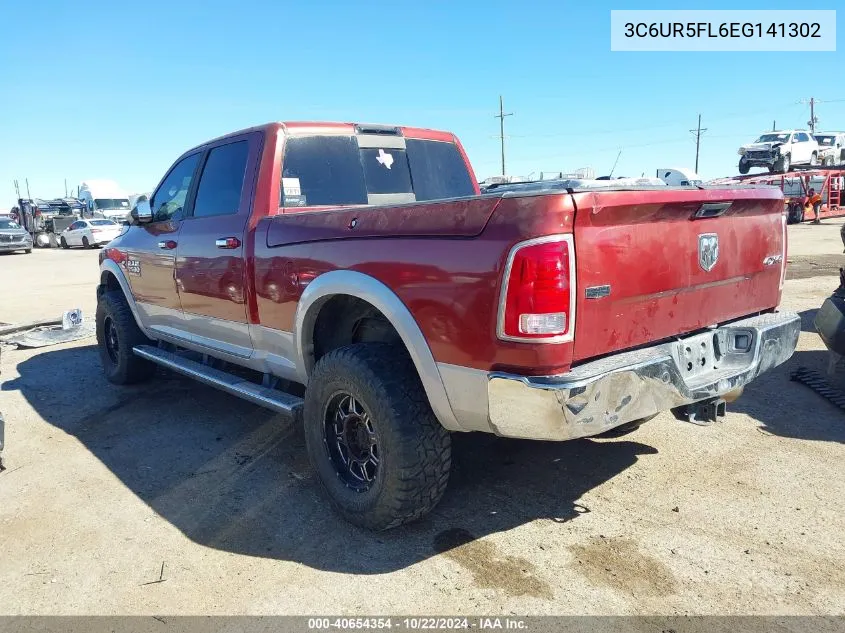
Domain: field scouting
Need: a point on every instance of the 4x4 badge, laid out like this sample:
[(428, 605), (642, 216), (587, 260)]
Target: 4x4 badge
[(708, 250)]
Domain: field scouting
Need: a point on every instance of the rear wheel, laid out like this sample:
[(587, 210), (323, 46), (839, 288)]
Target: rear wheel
[(814, 160), (379, 451), (117, 334), (795, 213)]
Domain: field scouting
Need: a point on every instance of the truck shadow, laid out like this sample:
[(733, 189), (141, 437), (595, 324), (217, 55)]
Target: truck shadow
[(790, 409), (236, 477), (807, 318)]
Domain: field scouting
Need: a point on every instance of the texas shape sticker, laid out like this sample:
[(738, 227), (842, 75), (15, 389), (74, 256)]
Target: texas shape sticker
[(384, 158)]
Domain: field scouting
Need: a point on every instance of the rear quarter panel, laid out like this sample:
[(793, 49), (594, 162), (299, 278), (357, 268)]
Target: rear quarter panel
[(450, 284)]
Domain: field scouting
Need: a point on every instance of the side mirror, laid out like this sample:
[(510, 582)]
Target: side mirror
[(142, 212)]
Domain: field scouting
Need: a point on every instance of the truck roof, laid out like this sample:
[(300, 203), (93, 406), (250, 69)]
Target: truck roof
[(333, 127)]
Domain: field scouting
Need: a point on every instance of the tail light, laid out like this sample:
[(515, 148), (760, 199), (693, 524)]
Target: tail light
[(538, 295)]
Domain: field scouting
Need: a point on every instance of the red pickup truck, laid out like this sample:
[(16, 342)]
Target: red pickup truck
[(353, 275)]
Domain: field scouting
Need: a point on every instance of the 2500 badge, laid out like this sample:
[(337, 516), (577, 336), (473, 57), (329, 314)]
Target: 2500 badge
[(133, 267)]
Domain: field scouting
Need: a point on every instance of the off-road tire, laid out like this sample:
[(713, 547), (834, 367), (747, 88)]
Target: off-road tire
[(414, 449), (125, 368), (85, 242), (64, 243)]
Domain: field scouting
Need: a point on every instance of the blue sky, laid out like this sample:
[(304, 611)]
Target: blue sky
[(118, 90)]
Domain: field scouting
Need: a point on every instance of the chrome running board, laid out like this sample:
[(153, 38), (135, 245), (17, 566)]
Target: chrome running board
[(230, 383)]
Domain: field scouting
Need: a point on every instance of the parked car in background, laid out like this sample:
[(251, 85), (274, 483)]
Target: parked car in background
[(105, 197), (831, 148), (779, 151), (13, 237), (89, 233)]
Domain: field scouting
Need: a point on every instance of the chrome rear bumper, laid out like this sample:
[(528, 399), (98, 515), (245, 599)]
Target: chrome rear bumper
[(612, 391)]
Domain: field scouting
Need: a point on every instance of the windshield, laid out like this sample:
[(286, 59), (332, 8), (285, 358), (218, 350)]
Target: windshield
[(111, 203), (826, 141), (773, 138), (5, 223), (102, 223)]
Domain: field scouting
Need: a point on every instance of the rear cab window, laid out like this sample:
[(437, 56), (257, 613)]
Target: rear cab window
[(346, 170)]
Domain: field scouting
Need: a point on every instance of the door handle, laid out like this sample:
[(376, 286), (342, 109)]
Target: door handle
[(227, 242), (167, 245)]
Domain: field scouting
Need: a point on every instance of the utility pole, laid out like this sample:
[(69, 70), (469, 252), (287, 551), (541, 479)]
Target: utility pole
[(697, 133), (812, 116), (27, 188), (65, 187), (774, 125), (813, 119), (501, 116)]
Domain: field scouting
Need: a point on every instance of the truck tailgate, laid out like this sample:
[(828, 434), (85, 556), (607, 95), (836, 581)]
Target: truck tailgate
[(649, 269)]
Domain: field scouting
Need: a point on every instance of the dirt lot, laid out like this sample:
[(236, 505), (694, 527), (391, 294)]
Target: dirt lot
[(173, 498)]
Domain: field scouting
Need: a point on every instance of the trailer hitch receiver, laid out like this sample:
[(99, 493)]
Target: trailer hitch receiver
[(703, 413)]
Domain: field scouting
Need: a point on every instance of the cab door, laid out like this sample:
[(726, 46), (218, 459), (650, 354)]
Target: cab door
[(72, 234), (150, 250), (802, 148), (210, 265)]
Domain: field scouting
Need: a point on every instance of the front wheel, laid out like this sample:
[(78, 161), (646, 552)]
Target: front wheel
[(117, 334), (379, 451), (64, 243), (783, 164), (85, 242), (743, 167)]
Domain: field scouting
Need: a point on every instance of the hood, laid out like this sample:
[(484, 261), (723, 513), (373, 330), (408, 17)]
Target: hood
[(756, 147), (13, 232)]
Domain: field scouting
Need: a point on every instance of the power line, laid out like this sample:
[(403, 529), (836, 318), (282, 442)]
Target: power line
[(501, 116)]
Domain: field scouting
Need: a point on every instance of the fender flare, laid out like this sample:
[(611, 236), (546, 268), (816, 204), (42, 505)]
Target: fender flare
[(374, 292), (110, 267)]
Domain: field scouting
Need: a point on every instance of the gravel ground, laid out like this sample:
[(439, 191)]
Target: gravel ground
[(174, 498)]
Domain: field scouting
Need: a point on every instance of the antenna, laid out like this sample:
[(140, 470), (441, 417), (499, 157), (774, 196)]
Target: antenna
[(615, 163)]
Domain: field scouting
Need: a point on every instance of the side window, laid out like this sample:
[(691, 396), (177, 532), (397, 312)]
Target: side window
[(802, 137), (322, 171), (222, 180), (170, 197), (73, 226), (438, 170)]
